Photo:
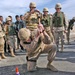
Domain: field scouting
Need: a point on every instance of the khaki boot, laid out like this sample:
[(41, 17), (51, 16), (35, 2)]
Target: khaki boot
[(31, 66), (12, 53), (51, 67), (3, 56)]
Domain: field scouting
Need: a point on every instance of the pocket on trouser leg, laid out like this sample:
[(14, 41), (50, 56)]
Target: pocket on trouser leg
[(1, 48)]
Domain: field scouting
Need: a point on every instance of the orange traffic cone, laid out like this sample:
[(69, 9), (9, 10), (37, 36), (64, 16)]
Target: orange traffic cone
[(17, 71)]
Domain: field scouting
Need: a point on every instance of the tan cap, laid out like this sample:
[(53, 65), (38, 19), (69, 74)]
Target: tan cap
[(24, 34), (58, 5), (8, 19), (45, 9), (32, 4)]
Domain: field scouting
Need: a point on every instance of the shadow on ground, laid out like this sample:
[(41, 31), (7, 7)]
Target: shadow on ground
[(66, 56), (10, 70)]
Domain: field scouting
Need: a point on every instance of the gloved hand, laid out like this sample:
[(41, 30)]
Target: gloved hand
[(41, 28)]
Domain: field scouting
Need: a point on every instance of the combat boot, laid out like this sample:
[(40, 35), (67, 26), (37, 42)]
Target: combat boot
[(12, 53), (51, 67), (3, 56), (31, 66)]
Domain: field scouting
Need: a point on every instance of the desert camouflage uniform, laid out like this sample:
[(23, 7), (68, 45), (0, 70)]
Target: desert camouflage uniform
[(35, 47), (46, 20), (10, 36), (2, 34), (32, 20), (60, 24)]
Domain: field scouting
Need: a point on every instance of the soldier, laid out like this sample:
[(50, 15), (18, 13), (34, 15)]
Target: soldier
[(32, 19), (2, 42), (41, 44), (13, 24), (47, 22), (10, 35), (5, 48), (70, 26), (2, 25), (60, 24)]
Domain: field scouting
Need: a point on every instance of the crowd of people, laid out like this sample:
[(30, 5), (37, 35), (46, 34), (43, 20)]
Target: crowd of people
[(37, 27), (10, 30)]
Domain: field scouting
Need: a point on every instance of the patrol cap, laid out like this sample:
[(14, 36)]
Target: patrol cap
[(8, 19), (58, 5), (32, 4), (45, 9)]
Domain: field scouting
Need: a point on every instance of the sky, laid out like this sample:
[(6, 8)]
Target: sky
[(20, 7)]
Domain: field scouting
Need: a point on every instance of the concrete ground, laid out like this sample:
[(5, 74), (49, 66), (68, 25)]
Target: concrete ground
[(64, 62)]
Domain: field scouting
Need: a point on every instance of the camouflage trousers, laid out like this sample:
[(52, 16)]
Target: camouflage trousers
[(32, 57), (43, 48), (34, 33), (33, 54), (1, 45), (48, 31), (10, 40), (58, 36)]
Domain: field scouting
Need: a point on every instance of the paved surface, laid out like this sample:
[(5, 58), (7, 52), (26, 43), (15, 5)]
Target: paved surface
[(64, 62)]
